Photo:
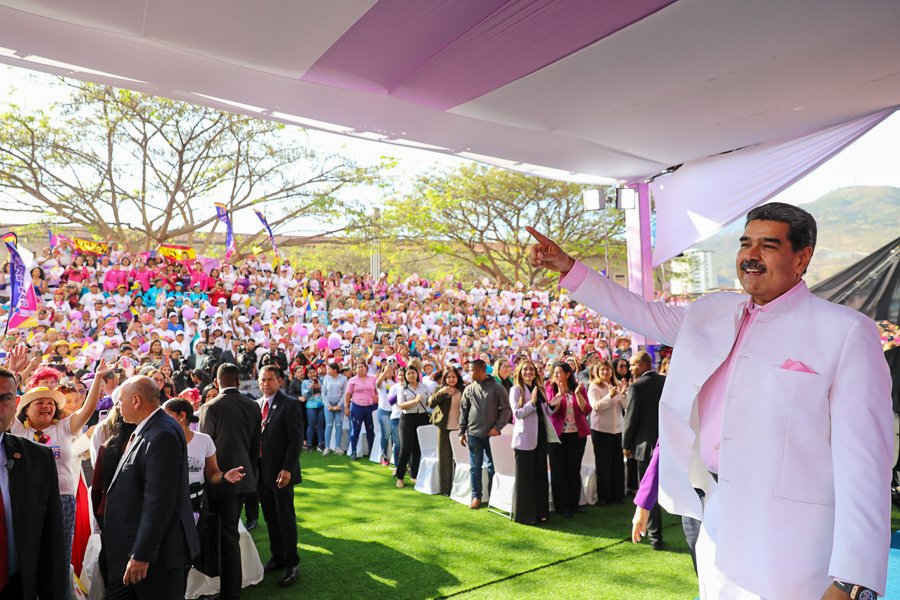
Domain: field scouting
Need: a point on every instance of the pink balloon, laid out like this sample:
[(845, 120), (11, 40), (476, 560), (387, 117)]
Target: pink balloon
[(334, 341), (322, 343), (252, 311), (302, 331), (75, 315), (211, 311), (188, 312)]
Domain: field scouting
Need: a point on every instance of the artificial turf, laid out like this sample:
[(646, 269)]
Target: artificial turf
[(361, 537)]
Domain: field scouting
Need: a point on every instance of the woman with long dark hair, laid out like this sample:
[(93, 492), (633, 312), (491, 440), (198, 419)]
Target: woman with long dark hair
[(530, 440), (410, 396), (445, 417), (568, 417)]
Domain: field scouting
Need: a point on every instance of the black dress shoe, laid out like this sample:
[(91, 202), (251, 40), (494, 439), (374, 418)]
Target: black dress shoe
[(566, 515), (290, 576), (580, 510), (272, 565), (657, 544), (251, 524)]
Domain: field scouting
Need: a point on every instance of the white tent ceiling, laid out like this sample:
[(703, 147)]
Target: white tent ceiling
[(681, 81)]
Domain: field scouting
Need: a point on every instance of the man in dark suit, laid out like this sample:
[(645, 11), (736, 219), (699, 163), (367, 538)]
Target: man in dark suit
[(32, 558), (233, 421), (149, 536), (279, 472), (642, 427)]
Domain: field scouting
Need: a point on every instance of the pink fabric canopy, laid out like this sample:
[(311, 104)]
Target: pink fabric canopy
[(591, 91)]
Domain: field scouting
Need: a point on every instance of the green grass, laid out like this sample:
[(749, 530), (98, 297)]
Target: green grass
[(360, 537)]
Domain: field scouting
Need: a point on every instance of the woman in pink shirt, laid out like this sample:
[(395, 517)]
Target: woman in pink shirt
[(361, 402), (569, 404)]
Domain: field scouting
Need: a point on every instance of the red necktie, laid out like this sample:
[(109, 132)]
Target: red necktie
[(265, 414), (4, 549)]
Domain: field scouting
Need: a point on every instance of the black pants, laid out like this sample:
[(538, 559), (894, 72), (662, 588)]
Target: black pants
[(13, 589), (654, 523), (251, 506), (161, 584), (632, 479), (531, 496), (229, 511), (410, 453), (565, 472), (281, 521), (610, 466), (445, 460)]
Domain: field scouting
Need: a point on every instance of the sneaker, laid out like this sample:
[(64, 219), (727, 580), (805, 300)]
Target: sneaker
[(385, 462), (326, 452), (320, 449), (354, 457), (339, 452)]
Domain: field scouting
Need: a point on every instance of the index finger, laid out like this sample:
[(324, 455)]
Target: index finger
[(540, 237)]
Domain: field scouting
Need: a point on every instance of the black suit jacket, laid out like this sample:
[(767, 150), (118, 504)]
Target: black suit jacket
[(37, 518), (282, 440), (227, 356), (148, 506), (233, 421), (642, 415)]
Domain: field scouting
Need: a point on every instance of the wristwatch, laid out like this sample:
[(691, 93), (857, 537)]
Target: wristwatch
[(856, 592)]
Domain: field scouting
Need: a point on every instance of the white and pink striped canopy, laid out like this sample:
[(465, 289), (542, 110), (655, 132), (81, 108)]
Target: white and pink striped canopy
[(584, 90)]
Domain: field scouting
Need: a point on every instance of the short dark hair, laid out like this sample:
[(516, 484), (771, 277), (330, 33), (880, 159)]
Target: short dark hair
[(180, 405), (228, 372), (801, 225), (479, 364), (4, 372), (272, 368)]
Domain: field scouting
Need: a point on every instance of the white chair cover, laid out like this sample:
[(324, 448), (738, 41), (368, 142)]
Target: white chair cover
[(199, 584), (375, 450), (462, 484), (588, 475), (428, 481), (504, 484)]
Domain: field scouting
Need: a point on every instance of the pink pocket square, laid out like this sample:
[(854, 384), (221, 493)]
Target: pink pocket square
[(796, 365)]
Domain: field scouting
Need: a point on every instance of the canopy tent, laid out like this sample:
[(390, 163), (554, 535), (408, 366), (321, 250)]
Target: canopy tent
[(871, 286), (591, 91)]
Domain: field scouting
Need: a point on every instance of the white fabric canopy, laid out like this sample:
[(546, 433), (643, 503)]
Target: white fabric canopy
[(699, 198)]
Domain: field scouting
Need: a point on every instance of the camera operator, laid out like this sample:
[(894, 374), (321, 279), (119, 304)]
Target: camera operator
[(248, 360)]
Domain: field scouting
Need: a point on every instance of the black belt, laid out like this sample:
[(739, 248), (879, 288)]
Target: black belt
[(715, 476)]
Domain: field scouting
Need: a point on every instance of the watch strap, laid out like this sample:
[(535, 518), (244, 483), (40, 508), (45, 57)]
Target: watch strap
[(856, 592)]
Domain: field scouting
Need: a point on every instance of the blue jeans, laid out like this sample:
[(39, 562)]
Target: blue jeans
[(316, 426), (479, 453), (334, 420), (388, 431), (361, 416), (395, 440)]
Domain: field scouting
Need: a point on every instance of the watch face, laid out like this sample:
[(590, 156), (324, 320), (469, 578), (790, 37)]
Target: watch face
[(866, 595)]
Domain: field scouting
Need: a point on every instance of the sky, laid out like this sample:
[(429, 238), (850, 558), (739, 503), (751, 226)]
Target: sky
[(872, 160)]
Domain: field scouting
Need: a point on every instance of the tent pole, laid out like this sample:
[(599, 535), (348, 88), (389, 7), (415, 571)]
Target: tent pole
[(640, 259)]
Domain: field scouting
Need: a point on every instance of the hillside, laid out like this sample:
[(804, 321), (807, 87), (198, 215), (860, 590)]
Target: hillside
[(853, 222)]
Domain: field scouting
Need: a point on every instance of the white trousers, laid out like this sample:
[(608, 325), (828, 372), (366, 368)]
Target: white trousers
[(714, 585)]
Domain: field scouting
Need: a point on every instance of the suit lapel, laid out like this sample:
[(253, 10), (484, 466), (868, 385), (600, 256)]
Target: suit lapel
[(18, 488), (138, 440)]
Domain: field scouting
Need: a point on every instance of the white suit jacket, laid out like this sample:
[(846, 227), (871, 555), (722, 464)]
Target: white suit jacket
[(805, 459)]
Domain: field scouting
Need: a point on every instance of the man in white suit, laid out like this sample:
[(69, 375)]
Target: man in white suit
[(778, 407)]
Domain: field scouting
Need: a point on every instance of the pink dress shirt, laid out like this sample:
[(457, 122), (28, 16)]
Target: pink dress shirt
[(711, 399)]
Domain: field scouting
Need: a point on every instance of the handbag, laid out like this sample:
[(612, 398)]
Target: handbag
[(209, 532)]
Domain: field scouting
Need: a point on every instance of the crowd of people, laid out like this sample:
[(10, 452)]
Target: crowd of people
[(119, 340)]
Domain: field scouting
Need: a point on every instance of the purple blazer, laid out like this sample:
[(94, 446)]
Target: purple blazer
[(525, 427), (558, 416), (649, 490)]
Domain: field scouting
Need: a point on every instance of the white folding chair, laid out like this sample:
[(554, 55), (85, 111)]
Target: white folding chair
[(462, 482), (588, 475), (428, 480), (375, 451), (504, 484)]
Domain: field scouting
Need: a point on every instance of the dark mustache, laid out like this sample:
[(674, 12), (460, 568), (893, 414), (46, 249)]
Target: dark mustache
[(753, 264)]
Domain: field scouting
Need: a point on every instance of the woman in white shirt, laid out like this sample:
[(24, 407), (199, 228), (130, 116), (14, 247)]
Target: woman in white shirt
[(40, 417), (607, 398), (410, 396), (386, 419)]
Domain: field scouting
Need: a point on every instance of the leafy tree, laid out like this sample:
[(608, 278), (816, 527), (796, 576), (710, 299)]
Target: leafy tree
[(135, 168), (477, 215)]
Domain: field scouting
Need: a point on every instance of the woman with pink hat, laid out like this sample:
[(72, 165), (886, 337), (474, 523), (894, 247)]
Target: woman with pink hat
[(39, 417)]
